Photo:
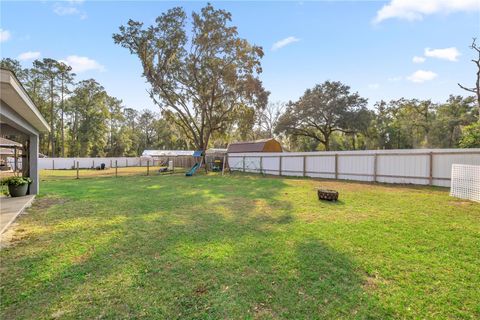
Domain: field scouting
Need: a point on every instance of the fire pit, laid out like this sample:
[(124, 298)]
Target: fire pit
[(329, 195)]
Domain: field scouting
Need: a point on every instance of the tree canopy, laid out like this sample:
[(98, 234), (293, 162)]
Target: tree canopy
[(326, 108), (200, 79)]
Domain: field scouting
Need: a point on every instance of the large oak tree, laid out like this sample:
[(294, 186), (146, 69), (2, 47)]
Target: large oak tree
[(321, 111), (199, 78)]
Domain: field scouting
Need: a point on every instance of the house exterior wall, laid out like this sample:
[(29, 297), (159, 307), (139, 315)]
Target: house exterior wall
[(14, 120)]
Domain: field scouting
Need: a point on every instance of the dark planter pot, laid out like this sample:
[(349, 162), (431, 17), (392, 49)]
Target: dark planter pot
[(18, 191), (329, 195)]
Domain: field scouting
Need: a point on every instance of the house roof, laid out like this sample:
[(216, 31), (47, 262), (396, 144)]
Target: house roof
[(7, 143), (264, 145), (15, 95), (9, 152)]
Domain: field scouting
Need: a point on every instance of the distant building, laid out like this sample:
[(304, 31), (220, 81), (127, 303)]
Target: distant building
[(264, 145), (166, 153), (10, 152)]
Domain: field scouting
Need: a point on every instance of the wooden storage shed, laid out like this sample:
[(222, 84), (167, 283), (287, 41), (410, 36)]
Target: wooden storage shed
[(265, 145)]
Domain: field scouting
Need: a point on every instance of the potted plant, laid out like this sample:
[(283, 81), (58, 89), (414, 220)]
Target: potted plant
[(17, 186)]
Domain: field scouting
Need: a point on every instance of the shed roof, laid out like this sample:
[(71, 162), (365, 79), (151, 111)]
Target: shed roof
[(166, 153), (216, 151), (264, 145)]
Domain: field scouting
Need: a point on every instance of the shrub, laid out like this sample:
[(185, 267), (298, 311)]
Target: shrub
[(470, 136), (15, 181)]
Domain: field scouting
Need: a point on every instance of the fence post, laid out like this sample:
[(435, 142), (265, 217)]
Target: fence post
[(126, 162), (116, 168), (93, 163), (148, 167), (280, 165), (430, 167), (261, 164), (375, 167), (78, 173), (304, 166), (243, 163), (336, 166), (111, 163)]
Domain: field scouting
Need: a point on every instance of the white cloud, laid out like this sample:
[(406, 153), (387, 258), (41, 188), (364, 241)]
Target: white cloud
[(29, 55), (450, 54), (65, 11), (4, 35), (417, 59), (421, 76), (373, 86), (394, 79), (284, 42), (81, 64), (416, 9), (69, 8)]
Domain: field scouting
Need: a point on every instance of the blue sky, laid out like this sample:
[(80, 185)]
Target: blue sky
[(369, 45)]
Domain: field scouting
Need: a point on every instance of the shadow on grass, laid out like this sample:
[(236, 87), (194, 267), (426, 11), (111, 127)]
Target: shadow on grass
[(189, 249)]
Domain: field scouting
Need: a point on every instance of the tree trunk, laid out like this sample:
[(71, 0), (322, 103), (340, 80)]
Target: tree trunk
[(327, 142), (52, 120), (203, 146), (62, 121), (75, 132), (111, 136), (477, 82)]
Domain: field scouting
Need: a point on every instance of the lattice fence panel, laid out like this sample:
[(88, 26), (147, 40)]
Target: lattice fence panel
[(465, 183)]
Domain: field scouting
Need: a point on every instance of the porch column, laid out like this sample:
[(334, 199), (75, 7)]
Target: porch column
[(15, 160), (33, 163)]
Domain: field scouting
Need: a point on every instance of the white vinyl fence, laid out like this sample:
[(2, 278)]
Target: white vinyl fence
[(111, 162), (86, 163), (417, 166)]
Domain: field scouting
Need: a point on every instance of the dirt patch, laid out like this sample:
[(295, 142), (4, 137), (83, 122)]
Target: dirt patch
[(16, 232), (201, 290), (262, 311), (372, 282), (47, 202), (58, 314), (460, 203), (13, 235), (83, 257)]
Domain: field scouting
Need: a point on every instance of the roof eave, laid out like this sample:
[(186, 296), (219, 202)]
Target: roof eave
[(9, 78)]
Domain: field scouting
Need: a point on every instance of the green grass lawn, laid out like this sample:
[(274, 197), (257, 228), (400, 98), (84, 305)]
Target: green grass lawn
[(241, 247)]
